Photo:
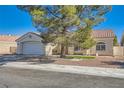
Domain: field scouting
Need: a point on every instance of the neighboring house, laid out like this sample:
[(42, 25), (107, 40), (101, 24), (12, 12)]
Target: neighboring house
[(31, 43), (8, 44)]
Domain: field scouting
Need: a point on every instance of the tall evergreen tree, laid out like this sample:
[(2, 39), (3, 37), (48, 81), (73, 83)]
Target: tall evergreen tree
[(122, 39), (54, 22), (115, 41)]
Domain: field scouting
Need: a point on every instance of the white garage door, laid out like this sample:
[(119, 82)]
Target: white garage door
[(33, 48)]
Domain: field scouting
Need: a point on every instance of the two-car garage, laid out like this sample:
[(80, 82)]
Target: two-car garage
[(33, 48)]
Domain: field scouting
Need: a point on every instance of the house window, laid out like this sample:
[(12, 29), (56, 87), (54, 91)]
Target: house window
[(100, 46), (77, 48)]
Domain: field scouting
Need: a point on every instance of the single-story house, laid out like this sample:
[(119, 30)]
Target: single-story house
[(8, 44), (31, 43)]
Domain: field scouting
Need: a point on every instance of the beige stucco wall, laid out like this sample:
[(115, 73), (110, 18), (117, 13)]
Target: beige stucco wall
[(109, 47), (48, 49), (5, 47), (118, 51), (92, 51), (70, 50)]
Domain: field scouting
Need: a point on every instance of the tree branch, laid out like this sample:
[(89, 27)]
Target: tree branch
[(52, 13)]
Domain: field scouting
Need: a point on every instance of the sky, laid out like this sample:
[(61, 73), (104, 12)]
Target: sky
[(16, 22), (114, 21)]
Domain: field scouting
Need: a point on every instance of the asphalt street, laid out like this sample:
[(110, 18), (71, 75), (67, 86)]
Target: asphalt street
[(25, 78)]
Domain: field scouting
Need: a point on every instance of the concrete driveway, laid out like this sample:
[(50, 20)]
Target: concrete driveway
[(25, 78), (98, 71)]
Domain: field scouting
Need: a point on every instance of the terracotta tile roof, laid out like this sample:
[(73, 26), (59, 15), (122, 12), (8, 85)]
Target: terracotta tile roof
[(103, 34), (8, 38)]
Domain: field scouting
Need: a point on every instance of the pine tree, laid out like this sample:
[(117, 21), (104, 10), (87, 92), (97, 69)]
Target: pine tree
[(115, 41), (55, 21), (122, 39)]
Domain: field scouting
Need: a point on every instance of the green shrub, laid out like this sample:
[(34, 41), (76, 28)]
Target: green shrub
[(80, 57)]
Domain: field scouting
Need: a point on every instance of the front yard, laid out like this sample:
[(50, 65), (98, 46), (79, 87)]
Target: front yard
[(91, 61)]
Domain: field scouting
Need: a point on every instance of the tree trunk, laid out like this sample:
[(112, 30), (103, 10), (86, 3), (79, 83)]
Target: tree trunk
[(62, 54)]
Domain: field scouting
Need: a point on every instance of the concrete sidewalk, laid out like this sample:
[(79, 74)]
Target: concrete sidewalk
[(108, 72)]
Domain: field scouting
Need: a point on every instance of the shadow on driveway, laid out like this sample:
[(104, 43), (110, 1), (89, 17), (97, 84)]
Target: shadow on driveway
[(23, 58)]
